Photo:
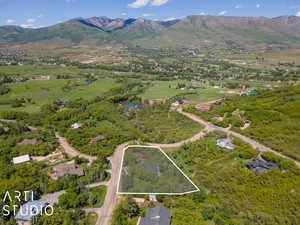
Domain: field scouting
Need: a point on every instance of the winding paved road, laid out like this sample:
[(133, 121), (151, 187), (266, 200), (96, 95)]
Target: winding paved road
[(256, 145), (110, 202)]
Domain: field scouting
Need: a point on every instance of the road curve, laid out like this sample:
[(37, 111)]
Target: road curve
[(256, 145), (72, 152), (110, 202)]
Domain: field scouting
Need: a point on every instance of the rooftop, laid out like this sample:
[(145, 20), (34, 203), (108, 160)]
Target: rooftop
[(30, 210), (21, 159), (156, 216), (68, 168)]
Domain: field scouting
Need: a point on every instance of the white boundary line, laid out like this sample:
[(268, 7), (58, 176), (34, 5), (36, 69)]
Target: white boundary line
[(133, 193)]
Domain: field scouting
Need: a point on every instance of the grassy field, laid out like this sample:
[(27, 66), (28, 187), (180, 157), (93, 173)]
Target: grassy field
[(45, 91), (148, 170), (161, 89), (30, 71), (160, 125)]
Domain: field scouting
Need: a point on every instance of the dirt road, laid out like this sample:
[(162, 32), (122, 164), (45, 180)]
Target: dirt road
[(71, 152)]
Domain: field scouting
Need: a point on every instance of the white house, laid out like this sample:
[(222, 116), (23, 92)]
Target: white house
[(21, 159), (225, 143)]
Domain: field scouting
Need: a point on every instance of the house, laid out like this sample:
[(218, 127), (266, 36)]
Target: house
[(225, 143), (157, 101), (28, 142), (76, 125), (260, 166), (29, 211), (203, 107), (177, 103), (66, 169), (156, 216), (21, 159), (97, 139), (131, 106)]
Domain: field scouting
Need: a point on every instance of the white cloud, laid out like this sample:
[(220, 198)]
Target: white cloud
[(29, 26), (30, 20), (139, 4), (294, 7), (8, 21), (258, 5), (40, 16), (124, 14), (170, 19), (159, 2), (202, 14), (222, 13), (148, 15), (297, 14), (238, 7)]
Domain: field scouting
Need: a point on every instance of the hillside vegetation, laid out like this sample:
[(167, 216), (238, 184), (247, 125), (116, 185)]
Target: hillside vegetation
[(274, 116), (191, 31)]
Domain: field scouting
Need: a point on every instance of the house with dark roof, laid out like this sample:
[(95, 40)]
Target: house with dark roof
[(66, 169), (156, 216), (260, 166)]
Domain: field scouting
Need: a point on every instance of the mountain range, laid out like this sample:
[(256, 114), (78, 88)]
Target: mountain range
[(192, 31)]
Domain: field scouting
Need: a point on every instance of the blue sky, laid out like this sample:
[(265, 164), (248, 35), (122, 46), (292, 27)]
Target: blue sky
[(36, 13)]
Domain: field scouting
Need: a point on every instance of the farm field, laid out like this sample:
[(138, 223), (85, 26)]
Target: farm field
[(46, 91), (148, 170), (165, 89)]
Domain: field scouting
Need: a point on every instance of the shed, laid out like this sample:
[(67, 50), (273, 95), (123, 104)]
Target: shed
[(21, 159)]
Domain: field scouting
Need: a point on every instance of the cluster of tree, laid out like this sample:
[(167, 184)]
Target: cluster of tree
[(126, 212), (78, 197), (4, 89)]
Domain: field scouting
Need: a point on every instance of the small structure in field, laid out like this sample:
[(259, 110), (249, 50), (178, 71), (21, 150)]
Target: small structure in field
[(66, 169), (260, 166), (96, 139), (32, 141), (76, 125), (29, 211), (225, 143), (156, 216), (21, 159), (157, 101)]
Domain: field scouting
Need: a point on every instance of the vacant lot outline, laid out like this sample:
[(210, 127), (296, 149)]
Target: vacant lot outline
[(154, 193)]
